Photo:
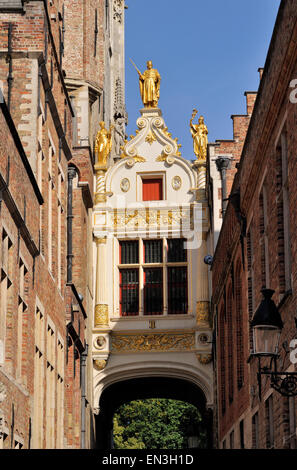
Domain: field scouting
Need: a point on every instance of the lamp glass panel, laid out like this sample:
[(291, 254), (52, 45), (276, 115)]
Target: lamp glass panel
[(266, 339)]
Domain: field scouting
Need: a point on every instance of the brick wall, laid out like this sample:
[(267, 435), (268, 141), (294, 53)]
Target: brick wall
[(268, 204)]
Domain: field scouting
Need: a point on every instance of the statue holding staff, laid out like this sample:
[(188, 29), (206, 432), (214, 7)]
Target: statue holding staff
[(199, 133), (149, 84)]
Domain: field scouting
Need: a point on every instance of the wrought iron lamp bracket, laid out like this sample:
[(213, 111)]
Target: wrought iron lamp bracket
[(284, 383)]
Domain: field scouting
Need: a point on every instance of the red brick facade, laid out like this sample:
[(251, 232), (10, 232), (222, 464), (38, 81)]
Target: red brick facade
[(257, 248), (45, 296)]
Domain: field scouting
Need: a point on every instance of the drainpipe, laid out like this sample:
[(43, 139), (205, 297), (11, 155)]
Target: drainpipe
[(223, 164), (83, 359), (71, 175)]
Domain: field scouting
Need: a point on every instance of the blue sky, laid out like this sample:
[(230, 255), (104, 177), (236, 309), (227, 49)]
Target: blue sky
[(208, 54)]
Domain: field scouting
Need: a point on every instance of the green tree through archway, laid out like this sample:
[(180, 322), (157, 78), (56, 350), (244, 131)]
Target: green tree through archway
[(158, 424)]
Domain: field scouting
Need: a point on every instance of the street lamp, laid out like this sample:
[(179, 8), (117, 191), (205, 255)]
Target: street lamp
[(267, 326)]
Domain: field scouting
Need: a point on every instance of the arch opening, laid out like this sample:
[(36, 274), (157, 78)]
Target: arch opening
[(123, 392)]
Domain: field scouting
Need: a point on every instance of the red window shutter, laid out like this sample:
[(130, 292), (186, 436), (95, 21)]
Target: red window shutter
[(152, 189)]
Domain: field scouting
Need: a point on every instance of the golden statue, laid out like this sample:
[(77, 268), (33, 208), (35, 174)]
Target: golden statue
[(199, 133), (103, 144), (149, 83)]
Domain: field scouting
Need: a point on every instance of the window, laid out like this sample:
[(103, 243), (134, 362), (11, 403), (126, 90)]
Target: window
[(222, 357), (153, 277), (50, 209), (232, 440), (269, 423), (5, 288), (239, 328), (255, 431), (250, 261), (230, 346), (39, 368), (283, 225), (22, 307), (50, 386), (152, 189), (60, 221), (177, 290), (263, 224), (60, 394), (241, 432), (289, 423)]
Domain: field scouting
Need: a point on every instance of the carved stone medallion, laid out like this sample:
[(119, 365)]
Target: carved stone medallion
[(125, 185), (176, 183)]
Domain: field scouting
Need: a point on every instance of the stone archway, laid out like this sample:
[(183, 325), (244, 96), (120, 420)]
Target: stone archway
[(124, 391)]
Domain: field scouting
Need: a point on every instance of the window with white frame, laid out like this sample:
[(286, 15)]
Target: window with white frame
[(153, 277)]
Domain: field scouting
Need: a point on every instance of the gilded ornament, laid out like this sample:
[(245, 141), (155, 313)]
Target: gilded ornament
[(149, 84), (161, 158), (204, 358), (150, 138), (199, 133), (103, 144), (202, 313), (100, 197), (100, 241), (153, 342), (101, 315), (100, 364)]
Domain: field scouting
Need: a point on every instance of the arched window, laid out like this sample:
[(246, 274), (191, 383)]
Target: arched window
[(223, 359), (230, 345), (239, 327)]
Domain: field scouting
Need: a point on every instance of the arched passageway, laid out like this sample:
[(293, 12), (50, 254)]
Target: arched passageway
[(122, 392)]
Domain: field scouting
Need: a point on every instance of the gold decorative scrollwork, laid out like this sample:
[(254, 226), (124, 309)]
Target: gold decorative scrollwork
[(150, 138), (153, 342)]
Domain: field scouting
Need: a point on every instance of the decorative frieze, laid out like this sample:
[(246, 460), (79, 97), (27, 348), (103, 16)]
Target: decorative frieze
[(153, 342)]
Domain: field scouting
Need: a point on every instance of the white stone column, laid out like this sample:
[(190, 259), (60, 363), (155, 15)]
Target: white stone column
[(202, 306), (101, 307)]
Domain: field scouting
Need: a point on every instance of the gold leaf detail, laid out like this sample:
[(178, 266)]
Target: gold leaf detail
[(153, 342), (150, 138), (101, 315), (204, 358)]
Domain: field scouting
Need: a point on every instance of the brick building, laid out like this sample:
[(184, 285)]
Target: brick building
[(46, 171), (256, 248)]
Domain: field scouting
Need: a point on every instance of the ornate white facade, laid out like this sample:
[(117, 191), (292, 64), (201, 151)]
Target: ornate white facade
[(142, 344)]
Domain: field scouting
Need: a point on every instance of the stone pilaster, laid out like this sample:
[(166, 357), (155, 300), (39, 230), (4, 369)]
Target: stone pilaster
[(101, 307), (202, 306)]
